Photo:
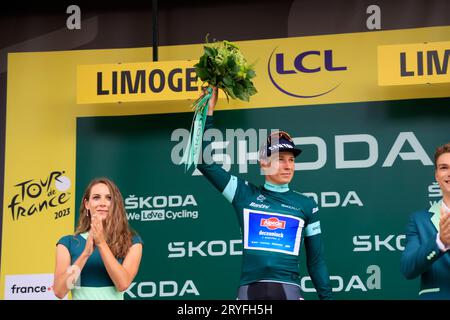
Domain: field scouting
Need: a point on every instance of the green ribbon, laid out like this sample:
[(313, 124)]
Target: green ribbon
[(194, 145)]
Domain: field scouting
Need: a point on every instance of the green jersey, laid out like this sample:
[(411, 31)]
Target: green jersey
[(274, 222)]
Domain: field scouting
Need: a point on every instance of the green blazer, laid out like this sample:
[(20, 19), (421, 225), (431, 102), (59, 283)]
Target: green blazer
[(422, 256)]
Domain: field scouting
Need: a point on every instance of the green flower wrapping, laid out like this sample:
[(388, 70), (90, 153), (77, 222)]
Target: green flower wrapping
[(223, 66)]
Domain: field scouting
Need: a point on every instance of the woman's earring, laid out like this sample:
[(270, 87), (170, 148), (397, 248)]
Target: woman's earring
[(88, 212)]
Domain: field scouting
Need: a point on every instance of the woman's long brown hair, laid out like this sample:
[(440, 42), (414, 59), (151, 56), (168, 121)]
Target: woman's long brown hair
[(118, 234)]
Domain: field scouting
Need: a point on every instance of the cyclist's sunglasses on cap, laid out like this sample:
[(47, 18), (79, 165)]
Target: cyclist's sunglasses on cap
[(277, 142), (281, 135)]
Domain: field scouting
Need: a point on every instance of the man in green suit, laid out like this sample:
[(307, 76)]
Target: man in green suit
[(427, 246)]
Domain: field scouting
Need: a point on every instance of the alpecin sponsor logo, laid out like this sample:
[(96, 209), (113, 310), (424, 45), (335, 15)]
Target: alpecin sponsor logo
[(273, 223)]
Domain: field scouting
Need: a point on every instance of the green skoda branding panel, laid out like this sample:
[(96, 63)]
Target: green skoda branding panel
[(366, 179)]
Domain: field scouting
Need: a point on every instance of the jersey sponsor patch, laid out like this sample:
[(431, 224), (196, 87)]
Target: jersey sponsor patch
[(270, 231), (312, 229)]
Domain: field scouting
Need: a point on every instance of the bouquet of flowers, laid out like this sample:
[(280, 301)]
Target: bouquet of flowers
[(222, 65)]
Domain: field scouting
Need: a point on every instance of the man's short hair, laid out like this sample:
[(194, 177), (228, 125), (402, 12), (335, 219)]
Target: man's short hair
[(440, 151)]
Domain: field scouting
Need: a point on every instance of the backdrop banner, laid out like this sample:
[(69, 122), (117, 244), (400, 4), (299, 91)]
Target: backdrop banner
[(367, 143)]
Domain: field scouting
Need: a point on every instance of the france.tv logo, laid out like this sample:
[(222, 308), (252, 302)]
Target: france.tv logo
[(305, 74)]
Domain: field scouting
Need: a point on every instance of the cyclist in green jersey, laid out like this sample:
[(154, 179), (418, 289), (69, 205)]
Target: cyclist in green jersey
[(274, 222)]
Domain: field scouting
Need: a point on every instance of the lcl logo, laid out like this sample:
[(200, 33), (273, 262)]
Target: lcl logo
[(298, 65)]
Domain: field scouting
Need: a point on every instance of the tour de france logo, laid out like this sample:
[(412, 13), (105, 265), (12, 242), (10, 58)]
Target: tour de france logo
[(41, 196)]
